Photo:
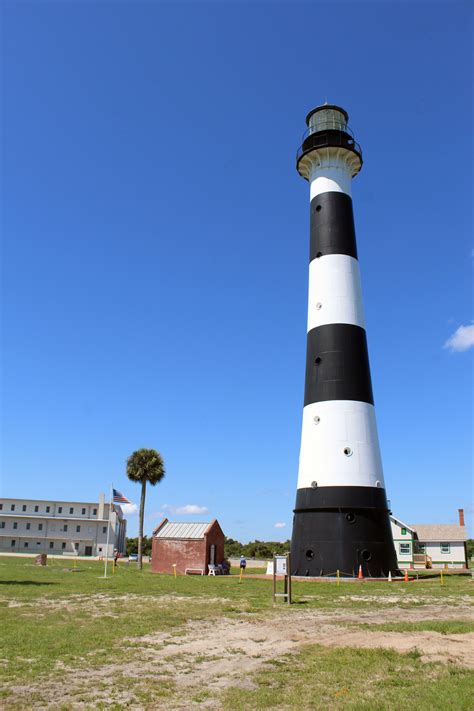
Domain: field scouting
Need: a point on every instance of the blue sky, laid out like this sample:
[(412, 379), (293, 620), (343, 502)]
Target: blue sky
[(155, 247)]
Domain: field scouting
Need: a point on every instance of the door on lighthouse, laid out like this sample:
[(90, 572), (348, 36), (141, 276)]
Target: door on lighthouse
[(212, 555)]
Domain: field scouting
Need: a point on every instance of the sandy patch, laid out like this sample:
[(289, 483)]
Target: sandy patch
[(254, 641), (227, 653)]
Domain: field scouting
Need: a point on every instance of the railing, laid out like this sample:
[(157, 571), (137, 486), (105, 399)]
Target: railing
[(349, 143), (327, 124)]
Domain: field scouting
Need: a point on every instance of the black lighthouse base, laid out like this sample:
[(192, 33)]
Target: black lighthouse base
[(342, 528)]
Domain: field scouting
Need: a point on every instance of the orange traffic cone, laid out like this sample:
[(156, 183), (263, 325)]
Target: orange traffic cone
[(360, 573), (406, 576)]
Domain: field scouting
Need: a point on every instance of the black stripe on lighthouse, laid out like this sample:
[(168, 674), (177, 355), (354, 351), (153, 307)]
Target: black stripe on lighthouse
[(332, 228), (337, 364)]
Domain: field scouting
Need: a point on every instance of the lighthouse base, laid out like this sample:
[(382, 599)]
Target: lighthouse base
[(340, 528)]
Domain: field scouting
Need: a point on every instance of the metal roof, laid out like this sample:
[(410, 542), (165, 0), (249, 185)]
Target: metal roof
[(182, 530), (440, 532)]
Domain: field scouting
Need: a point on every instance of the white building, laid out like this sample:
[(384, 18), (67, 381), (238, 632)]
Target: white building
[(61, 527), (430, 545), (403, 537)]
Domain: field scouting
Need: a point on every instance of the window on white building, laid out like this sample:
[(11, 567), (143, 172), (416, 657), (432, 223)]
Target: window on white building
[(445, 547), (48, 509), (15, 524), (28, 526), (51, 544), (65, 527), (83, 512), (2, 524), (78, 529), (405, 548), (23, 508), (25, 544), (60, 509), (76, 546), (404, 531), (94, 512), (1, 507), (12, 507), (63, 545), (38, 543), (13, 542), (36, 509), (71, 510), (40, 527), (104, 529)]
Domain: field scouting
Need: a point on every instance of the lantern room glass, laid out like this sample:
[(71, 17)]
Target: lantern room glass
[(325, 119)]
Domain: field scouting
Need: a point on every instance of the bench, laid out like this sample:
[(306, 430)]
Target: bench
[(191, 571)]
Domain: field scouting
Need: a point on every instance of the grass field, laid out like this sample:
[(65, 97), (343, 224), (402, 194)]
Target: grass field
[(71, 639)]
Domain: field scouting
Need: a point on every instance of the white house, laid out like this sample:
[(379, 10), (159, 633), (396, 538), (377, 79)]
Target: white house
[(403, 538), (430, 545), (61, 527)]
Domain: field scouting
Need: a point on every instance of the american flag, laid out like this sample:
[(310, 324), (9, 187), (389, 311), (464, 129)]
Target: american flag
[(119, 498)]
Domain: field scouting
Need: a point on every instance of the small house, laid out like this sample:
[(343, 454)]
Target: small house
[(430, 545), (403, 539), (191, 547)]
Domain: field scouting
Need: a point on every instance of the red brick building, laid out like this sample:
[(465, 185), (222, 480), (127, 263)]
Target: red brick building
[(191, 546)]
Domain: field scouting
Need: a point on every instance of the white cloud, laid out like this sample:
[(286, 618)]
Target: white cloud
[(129, 509), (280, 525), (192, 509), (461, 340), (154, 515)]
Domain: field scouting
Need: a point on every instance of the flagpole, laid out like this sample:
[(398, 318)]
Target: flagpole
[(108, 530)]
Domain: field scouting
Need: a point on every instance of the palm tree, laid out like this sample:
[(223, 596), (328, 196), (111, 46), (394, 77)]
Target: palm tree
[(144, 465)]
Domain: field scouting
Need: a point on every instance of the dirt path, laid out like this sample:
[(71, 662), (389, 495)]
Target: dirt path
[(255, 641), (201, 655)]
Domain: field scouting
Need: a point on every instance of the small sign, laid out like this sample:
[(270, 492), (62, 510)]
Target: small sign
[(281, 566)]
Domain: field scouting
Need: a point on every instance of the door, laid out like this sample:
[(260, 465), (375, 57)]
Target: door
[(212, 555), (88, 550)]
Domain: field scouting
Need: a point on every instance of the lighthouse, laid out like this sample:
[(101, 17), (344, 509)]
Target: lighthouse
[(341, 517)]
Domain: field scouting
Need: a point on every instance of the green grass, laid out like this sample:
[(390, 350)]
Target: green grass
[(322, 678), (57, 619)]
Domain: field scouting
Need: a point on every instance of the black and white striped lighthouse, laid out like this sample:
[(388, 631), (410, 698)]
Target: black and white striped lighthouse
[(341, 519)]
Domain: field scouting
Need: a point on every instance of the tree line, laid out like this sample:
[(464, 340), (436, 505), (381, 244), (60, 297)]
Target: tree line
[(254, 549), (132, 545), (232, 548)]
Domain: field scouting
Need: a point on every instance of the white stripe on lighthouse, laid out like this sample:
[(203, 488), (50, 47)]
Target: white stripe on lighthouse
[(339, 445), (335, 294), (331, 173)]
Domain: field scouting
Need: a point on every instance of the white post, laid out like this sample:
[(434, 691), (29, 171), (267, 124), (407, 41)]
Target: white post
[(108, 531)]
